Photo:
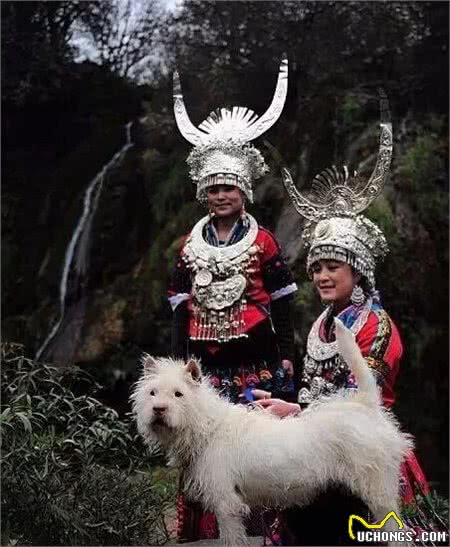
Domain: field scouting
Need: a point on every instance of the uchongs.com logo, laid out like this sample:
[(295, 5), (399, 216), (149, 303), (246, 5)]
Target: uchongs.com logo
[(374, 533)]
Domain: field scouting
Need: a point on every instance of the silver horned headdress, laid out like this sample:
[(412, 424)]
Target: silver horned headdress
[(335, 229), (222, 151)]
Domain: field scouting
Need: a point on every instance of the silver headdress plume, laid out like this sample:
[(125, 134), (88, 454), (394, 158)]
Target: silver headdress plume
[(222, 151), (335, 228)]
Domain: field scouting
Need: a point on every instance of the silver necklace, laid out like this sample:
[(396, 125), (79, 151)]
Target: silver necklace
[(202, 253), (320, 350), (219, 280)]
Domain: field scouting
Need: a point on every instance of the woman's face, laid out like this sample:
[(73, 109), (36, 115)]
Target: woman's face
[(334, 281), (225, 200)]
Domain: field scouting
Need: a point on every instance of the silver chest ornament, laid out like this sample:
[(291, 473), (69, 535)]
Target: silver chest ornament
[(322, 363), (219, 280)]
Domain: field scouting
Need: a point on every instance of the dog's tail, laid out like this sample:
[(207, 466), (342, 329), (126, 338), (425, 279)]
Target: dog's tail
[(368, 392)]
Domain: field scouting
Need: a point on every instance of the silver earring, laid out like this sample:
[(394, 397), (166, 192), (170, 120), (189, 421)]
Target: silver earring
[(357, 297)]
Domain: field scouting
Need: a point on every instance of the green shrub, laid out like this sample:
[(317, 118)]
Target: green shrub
[(73, 472)]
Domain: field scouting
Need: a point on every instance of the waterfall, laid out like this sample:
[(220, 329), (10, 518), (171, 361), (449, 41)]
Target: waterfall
[(76, 257)]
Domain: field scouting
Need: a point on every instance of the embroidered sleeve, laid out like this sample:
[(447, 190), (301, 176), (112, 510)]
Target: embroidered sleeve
[(380, 344), (283, 324), (277, 277), (180, 284), (379, 368)]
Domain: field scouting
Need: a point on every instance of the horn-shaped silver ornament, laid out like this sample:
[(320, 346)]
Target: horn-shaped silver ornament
[(337, 192), (379, 175), (272, 114), (248, 126), (191, 133)]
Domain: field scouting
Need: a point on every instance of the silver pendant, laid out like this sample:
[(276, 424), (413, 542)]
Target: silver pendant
[(219, 279), (203, 278), (220, 294)]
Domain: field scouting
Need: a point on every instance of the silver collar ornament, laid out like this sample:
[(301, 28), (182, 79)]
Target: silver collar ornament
[(318, 349), (335, 229), (219, 279), (323, 356), (222, 151)]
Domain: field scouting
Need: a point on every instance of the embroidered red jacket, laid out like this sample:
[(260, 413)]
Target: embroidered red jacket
[(268, 280)]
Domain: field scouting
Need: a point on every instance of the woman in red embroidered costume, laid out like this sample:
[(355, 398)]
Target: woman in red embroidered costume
[(231, 290), (344, 247), (255, 326)]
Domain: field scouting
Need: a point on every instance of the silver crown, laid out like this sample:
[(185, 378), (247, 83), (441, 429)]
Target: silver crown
[(335, 229), (222, 151)]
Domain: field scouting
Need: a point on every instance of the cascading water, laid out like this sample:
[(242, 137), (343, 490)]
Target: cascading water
[(76, 261)]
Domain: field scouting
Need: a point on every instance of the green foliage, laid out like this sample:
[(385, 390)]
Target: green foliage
[(437, 503), (73, 472), (381, 213), (430, 511), (422, 161), (422, 171), (351, 110)]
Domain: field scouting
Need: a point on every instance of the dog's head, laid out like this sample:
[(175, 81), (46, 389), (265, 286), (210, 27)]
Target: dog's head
[(164, 397)]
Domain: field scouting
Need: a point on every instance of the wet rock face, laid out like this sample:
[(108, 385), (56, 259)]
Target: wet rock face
[(116, 276), (288, 232), (104, 328), (51, 154)]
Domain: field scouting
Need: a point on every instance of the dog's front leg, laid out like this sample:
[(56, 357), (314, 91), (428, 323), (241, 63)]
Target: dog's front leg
[(230, 516)]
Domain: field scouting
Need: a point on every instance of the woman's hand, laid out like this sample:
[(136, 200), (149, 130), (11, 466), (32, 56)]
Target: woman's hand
[(278, 407), (288, 367), (261, 394)]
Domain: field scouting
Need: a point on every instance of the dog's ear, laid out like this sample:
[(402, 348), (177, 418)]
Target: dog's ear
[(149, 363), (193, 368)]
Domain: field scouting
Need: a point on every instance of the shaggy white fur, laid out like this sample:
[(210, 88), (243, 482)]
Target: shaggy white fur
[(235, 458)]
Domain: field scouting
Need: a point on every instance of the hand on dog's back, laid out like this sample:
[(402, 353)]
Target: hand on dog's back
[(279, 408)]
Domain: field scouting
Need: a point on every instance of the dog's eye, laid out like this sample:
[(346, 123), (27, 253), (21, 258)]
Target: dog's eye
[(178, 394), (152, 392)]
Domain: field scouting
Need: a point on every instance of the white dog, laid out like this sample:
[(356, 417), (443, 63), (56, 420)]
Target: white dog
[(235, 458)]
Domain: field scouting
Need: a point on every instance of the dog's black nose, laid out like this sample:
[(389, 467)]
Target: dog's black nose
[(159, 409)]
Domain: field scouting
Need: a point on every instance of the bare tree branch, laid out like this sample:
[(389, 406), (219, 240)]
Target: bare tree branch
[(123, 32)]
